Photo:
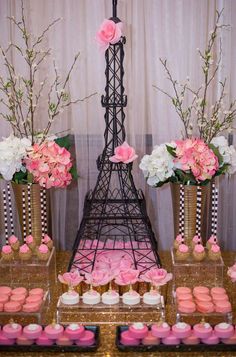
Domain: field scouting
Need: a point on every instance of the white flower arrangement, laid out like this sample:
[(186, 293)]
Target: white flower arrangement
[(159, 166), (12, 151)]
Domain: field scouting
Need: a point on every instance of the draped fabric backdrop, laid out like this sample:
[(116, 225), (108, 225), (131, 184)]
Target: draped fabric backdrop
[(171, 29)]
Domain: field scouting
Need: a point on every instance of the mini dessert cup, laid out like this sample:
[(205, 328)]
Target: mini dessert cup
[(182, 253), (178, 240), (30, 241), (199, 252), (7, 253), (43, 253), (48, 241), (214, 252), (25, 253), (14, 243)]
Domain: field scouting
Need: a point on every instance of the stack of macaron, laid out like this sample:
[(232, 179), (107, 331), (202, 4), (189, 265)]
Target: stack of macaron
[(161, 333), (13, 300), (73, 334), (202, 299)]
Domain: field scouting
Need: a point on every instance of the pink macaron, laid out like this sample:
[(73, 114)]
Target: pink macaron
[(19, 291), (205, 307), (31, 307), (18, 298), (186, 307), (211, 340), (200, 290), (24, 341), (6, 290), (171, 340), (191, 340), (5, 341), (43, 340), (218, 291), (183, 290), (223, 307), (12, 306), (4, 298)]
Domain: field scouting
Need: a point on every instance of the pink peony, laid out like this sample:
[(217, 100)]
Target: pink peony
[(49, 164), (98, 277), (72, 278), (124, 153), (195, 156), (156, 277), (232, 273), (109, 32), (127, 277)]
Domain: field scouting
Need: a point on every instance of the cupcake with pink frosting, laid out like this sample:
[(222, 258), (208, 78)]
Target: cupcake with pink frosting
[(7, 253), (212, 240), (43, 253), (196, 239), (214, 252), (199, 252), (14, 243), (178, 241), (182, 253), (48, 241), (30, 242), (25, 252)]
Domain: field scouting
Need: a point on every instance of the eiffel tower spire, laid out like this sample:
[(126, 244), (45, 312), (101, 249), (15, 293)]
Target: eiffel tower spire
[(115, 215)]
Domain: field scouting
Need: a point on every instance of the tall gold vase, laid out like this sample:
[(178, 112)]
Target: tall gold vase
[(190, 206), (36, 221)]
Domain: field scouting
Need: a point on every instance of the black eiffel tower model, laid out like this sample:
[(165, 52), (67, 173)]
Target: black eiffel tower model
[(115, 211)]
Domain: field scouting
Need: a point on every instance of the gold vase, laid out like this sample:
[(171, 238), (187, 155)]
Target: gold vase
[(190, 206), (36, 221)]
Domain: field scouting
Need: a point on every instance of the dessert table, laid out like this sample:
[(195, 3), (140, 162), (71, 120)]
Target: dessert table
[(107, 333)]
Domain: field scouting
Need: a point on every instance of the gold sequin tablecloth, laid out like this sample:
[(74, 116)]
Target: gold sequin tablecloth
[(107, 332)]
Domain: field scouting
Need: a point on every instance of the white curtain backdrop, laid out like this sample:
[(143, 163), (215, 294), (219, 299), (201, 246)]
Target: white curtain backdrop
[(171, 29)]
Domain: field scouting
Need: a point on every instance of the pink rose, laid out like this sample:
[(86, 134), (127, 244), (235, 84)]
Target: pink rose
[(124, 153), (156, 276), (232, 273), (72, 278), (109, 32), (127, 277), (98, 277)]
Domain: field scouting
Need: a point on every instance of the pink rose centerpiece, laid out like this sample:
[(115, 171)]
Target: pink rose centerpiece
[(72, 279), (98, 278), (127, 277), (108, 33), (156, 277), (232, 273), (124, 153)]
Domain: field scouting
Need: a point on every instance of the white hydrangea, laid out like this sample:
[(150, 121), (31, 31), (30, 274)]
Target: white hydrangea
[(12, 151), (158, 166), (227, 152)]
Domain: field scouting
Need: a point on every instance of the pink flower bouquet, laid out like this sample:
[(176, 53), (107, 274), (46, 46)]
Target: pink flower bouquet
[(49, 164), (72, 278), (127, 277), (109, 32), (124, 153), (156, 276), (232, 273), (98, 278), (190, 162)]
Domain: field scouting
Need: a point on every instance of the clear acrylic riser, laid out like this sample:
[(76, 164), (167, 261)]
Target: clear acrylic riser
[(30, 273), (192, 273), (28, 317), (107, 314)]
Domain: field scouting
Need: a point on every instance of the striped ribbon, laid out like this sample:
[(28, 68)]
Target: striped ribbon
[(214, 196), (5, 214), (181, 210), (24, 215), (198, 211), (42, 212), (10, 208), (29, 208)]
